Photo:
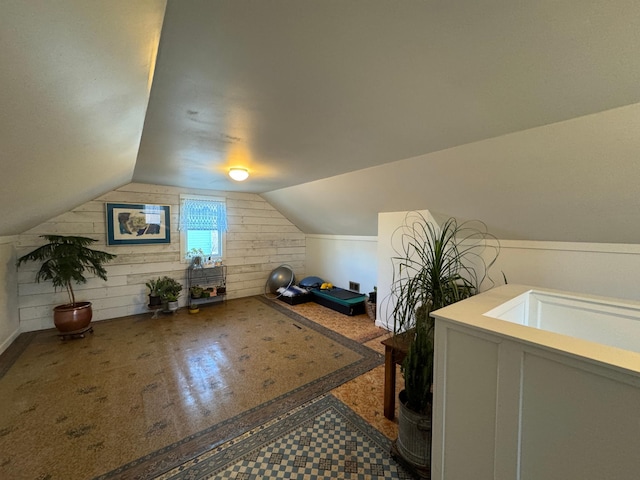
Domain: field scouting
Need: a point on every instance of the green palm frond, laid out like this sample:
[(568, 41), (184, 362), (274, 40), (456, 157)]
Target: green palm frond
[(434, 267), (66, 260)]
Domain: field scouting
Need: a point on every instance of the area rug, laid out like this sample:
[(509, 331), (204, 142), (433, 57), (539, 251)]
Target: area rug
[(140, 395), (321, 439)]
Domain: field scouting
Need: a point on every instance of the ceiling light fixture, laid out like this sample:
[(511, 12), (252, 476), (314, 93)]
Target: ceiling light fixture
[(239, 174)]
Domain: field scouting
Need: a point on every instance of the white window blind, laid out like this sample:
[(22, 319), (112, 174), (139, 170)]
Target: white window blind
[(199, 214), (203, 222)]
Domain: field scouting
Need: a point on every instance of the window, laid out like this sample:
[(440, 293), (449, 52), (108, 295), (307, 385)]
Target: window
[(203, 221)]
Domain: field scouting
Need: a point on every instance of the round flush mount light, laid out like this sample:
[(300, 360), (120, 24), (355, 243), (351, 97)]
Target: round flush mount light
[(239, 174)]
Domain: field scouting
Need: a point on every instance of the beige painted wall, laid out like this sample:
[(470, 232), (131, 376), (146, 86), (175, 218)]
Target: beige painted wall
[(9, 324), (258, 240)]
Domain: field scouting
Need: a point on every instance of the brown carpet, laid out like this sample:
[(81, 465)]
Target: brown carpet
[(142, 395)]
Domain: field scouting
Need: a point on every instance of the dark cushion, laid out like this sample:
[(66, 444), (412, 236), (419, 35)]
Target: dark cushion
[(311, 282)]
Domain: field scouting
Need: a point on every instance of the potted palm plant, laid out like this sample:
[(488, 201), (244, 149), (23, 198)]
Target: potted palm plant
[(65, 259), (435, 267)]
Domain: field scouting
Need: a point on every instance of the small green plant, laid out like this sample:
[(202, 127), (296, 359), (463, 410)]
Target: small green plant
[(196, 291), (195, 252), (168, 288), (171, 297), (152, 285)]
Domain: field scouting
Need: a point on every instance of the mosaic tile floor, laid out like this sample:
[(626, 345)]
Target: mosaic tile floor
[(320, 440), (363, 394)]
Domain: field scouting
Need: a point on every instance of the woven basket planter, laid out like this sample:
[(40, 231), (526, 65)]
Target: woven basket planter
[(371, 309)]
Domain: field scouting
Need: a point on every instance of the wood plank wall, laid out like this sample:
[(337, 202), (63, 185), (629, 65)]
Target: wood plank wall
[(258, 240)]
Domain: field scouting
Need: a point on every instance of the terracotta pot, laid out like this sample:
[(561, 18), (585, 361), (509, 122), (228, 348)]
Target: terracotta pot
[(72, 317)]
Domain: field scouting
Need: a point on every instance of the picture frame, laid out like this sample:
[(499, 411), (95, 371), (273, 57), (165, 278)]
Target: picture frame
[(138, 224)]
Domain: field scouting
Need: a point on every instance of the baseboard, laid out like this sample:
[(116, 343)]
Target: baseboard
[(7, 343)]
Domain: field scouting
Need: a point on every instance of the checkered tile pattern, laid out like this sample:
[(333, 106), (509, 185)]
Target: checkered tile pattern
[(333, 443), (327, 448)]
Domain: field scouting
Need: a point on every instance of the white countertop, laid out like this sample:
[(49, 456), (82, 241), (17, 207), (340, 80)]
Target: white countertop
[(470, 313)]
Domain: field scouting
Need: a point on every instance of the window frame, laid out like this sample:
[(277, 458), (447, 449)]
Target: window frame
[(183, 233)]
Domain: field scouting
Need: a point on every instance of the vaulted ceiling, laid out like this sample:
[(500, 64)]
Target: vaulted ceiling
[(525, 115)]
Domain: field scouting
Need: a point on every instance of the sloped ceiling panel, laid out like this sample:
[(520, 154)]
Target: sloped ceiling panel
[(342, 108), (302, 90), (75, 82), (574, 181)]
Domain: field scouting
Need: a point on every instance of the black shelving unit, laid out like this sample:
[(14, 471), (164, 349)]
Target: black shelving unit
[(207, 277)]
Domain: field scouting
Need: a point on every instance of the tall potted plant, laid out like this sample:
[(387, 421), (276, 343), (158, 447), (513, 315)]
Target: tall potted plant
[(434, 267), (65, 259)]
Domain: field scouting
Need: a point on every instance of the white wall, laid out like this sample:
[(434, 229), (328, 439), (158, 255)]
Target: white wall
[(9, 324), (611, 270), (340, 259), (599, 269), (258, 240)]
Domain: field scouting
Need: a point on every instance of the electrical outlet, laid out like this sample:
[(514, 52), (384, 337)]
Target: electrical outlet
[(354, 287)]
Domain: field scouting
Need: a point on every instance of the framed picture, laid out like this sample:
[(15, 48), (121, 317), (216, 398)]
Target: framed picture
[(129, 224)]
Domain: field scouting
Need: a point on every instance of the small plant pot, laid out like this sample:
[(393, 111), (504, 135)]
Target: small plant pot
[(172, 307), (194, 309), (155, 300)]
